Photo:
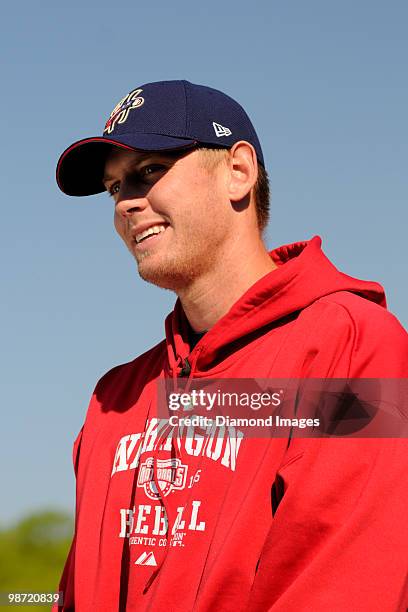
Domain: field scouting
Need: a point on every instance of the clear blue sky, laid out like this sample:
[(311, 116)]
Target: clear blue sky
[(325, 84)]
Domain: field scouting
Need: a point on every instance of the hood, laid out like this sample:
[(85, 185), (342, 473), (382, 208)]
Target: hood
[(304, 274)]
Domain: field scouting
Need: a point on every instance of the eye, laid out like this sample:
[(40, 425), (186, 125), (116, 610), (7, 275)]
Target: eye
[(113, 189), (150, 169)]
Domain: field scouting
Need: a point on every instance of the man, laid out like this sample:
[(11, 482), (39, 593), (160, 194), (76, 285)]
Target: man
[(215, 520)]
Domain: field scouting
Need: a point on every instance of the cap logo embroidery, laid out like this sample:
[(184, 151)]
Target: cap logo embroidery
[(121, 111), (220, 130)]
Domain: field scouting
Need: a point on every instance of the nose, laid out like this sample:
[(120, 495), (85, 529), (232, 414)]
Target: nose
[(126, 206)]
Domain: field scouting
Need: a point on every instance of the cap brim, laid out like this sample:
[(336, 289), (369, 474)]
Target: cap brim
[(80, 168)]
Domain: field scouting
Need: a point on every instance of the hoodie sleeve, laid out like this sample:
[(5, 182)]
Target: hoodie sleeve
[(66, 584), (339, 536)]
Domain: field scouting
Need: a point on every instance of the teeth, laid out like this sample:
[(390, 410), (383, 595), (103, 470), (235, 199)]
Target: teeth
[(155, 229)]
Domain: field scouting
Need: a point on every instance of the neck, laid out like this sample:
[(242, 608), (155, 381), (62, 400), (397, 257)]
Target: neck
[(210, 297)]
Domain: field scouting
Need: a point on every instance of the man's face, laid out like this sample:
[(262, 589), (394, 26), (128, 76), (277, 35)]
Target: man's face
[(171, 211)]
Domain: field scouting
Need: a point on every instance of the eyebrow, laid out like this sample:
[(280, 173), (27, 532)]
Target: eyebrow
[(108, 177), (173, 155)]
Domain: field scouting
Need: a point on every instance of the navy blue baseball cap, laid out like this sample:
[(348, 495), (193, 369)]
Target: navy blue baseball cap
[(162, 116)]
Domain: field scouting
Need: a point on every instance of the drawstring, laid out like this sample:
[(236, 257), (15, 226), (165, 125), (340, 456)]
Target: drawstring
[(183, 368), (175, 371), (192, 368)]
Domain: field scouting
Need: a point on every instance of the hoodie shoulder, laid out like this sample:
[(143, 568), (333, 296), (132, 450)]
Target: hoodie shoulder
[(379, 341), (365, 313), (150, 361)]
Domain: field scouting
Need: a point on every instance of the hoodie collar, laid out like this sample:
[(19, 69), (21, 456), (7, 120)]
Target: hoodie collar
[(304, 274)]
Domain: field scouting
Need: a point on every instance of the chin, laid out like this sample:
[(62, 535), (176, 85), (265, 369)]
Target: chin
[(170, 275)]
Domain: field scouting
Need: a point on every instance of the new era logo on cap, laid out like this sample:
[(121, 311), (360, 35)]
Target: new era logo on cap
[(220, 130)]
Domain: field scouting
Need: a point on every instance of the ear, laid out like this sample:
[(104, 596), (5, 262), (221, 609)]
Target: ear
[(243, 170)]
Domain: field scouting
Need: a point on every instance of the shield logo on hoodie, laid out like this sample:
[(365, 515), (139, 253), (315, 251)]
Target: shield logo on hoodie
[(169, 475)]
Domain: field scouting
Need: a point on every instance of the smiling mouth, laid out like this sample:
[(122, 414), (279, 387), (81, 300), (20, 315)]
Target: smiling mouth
[(155, 230)]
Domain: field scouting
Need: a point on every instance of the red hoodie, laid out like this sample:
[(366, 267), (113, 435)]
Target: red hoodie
[(253, 524)]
